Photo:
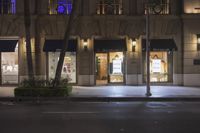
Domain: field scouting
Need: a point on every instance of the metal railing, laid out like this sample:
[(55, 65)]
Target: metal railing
[(7, 7), (109, 9), (163, 8)]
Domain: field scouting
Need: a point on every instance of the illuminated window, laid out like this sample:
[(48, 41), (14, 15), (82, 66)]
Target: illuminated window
[(158, 7), (7, 6), (60, 6), (69, 66), (109, 7), (192, 6)]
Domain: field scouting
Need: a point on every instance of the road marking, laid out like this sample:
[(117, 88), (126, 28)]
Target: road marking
[(7, 103), (70, 112)]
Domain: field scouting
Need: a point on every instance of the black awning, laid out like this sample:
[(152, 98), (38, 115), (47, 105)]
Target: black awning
[(56, 45), (160, 45), (8, 45), (110, 45)]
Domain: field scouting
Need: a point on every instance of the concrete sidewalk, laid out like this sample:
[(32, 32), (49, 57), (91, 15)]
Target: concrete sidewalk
[(121, 93), (135, 91)]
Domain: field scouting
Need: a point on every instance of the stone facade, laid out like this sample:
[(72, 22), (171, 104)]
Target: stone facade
[(179, 24)]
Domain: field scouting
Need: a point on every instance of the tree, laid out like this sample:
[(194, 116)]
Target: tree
[(27, 24), (69, 26)]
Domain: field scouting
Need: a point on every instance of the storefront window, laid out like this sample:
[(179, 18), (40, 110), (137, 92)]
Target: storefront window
[(9, 66), (69, 66), (116, 66), (158, 67)]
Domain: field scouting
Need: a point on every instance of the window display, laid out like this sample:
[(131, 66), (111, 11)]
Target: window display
[(158, 67), (69, 66), (116, 66), (9, 66)]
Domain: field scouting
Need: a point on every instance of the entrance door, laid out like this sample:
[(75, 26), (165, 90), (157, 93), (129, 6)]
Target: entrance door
[(109, 68), (101, 68)]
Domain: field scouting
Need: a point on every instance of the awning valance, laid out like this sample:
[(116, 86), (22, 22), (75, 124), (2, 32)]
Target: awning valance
[(8, 45), (160, 45), (110, 45), (56, 45)]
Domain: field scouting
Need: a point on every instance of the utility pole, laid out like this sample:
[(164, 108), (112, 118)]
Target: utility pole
[(148, 90)]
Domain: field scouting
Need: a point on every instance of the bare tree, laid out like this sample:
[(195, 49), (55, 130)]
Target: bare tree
[(68, 29), (27, 24)]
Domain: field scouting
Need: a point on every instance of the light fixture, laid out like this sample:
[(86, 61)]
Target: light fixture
[(85, 44), (198, 42), (133, 45)]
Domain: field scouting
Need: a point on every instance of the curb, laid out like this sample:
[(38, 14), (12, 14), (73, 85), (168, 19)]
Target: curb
[(99, 99)]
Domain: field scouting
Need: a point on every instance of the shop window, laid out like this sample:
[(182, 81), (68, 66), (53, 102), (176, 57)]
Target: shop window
[(116, 67), (60, 6), (9, 67), (7, 6), (69, 66), (158, 67), (192, 6), (109, 7), (157, 7)]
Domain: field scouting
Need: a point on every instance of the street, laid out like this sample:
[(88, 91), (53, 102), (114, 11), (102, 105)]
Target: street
[(96, 117)]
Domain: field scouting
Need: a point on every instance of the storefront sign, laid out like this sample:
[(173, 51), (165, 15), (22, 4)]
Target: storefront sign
[(156, 65), (117, 66)]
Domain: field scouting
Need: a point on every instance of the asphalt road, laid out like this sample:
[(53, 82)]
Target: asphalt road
[(130, 117)]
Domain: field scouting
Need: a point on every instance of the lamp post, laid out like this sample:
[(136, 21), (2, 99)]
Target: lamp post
[(148, 90)]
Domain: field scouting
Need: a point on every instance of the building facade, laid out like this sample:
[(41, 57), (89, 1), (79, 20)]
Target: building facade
[(107, 42)]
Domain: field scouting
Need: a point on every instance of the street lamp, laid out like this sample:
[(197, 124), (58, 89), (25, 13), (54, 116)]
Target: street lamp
[(148, 90)]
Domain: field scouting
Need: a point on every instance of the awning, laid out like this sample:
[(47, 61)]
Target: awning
[(56, 45), (160, 45), (110, 45), (8, 45)]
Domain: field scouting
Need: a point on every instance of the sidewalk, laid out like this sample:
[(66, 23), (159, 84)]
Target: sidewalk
[(120, 93), (135, 91)]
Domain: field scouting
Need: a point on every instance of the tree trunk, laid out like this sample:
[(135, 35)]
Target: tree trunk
[(27, 24), (65, 42)]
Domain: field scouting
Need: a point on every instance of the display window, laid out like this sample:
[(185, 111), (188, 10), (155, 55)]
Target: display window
[(116, 67), (9, 67), (69, 66), (158, 66)]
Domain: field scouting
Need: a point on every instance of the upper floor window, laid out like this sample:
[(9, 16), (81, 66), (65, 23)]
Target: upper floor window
[(7, 6), (60, 6), (109, 7), (158, 7), (192, 6)]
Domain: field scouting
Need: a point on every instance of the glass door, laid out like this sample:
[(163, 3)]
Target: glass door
[(101, 68)]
